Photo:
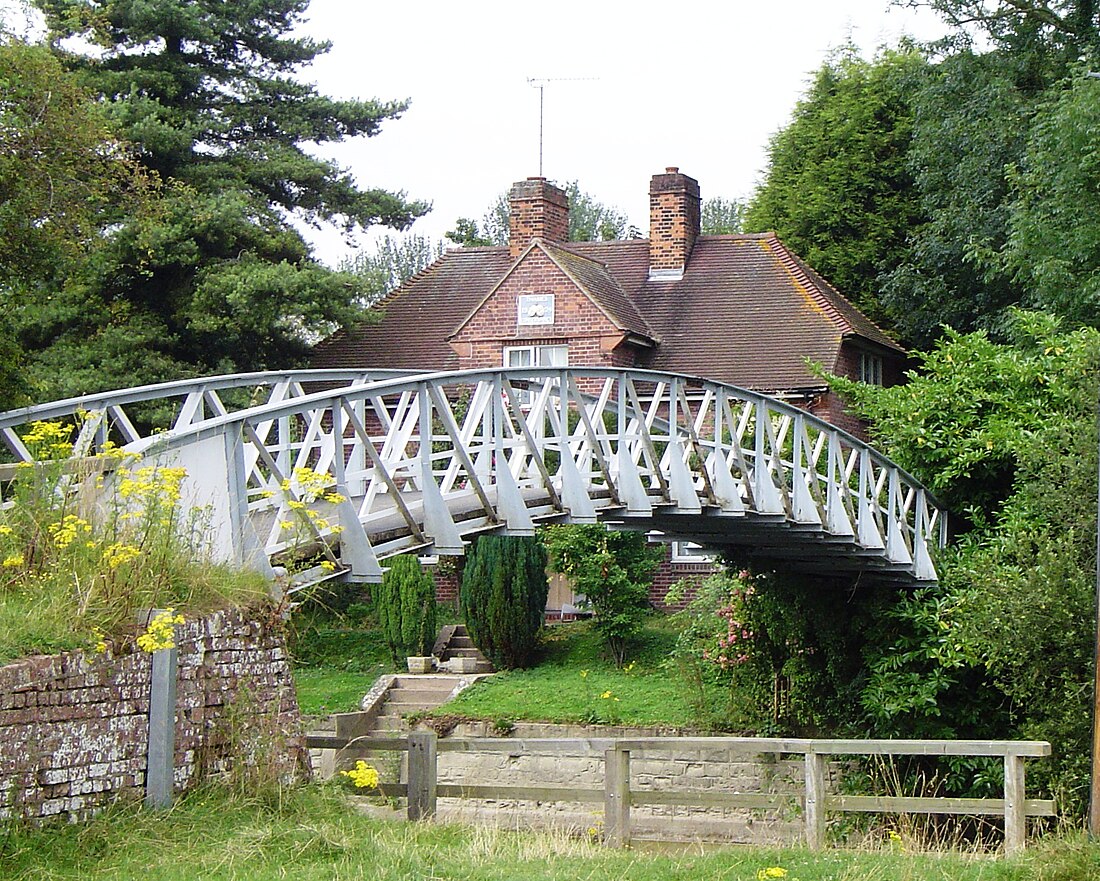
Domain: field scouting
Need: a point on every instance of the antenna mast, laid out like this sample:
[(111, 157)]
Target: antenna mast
[(540, 84)]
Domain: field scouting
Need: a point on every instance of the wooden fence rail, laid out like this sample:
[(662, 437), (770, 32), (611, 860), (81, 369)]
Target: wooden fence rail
[(422, 790)]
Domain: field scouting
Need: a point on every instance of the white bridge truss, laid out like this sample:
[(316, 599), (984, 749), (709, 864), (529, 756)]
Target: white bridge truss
[(384, 462)]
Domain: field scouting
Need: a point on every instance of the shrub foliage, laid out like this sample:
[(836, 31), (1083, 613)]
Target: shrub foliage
[(613, 571), (406, 608), (503, 597)]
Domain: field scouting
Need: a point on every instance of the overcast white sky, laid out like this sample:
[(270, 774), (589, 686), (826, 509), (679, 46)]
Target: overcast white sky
[(694, 84), (631, 88)]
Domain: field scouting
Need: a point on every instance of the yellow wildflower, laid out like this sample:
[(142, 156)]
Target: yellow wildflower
[(13, 561), (66, 530), (118, 554), (161, 632), (328, 565), (364, 776)]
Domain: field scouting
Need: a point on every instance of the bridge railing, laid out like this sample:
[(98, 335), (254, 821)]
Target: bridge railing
[(175, 405), (416, 461)]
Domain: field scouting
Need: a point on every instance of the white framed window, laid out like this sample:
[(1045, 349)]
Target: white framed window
[(870, 368), (535, 356), (690, 552)]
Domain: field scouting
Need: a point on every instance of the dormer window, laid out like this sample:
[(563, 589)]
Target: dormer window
[(870, 368)]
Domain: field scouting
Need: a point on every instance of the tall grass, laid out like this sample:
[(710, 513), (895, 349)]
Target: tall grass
[(312, 833), (81, 550)]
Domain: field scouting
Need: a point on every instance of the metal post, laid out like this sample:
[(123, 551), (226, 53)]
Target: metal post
[(161, 755), (422, 775), (616, 795)]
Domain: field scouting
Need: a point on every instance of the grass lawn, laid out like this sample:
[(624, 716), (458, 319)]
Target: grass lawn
[(576, 682), (311, 833), (322, 690), (335, 665)]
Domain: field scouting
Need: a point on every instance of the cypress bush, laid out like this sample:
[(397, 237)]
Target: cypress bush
[(503, 597), (405, 602)]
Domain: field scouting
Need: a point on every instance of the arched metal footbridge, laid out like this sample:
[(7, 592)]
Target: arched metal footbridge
[(346, 468)]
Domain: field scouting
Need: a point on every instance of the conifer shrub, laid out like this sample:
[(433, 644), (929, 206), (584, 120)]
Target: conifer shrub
[(405, 602), (503, 597)]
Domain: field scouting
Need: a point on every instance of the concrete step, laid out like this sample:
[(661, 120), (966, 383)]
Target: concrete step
[(461, 653), (402, 707), (418, 698), (443, 686), (460, 642), (425, 680), (389, 722)]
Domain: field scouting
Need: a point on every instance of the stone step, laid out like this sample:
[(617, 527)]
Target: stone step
[(453, 652), (430, 680), (389, 722), (460, 642), (401, 707), (424, 686), (422, 698)]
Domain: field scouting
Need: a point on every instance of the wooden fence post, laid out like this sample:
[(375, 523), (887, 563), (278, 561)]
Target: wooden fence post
[(813, 813), (1015, 808), (422, 774), (616, 797)]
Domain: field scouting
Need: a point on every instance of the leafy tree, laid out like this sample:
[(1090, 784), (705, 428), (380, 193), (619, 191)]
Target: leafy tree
[(1069, 28), (612, 570), (1007, 433), (971, 114), (1053, 247), (405, 602), (722, 217), (467, 234), (838, 189), (393, 261), (503, 597), (219, 279), (61, 174), (592, 221)]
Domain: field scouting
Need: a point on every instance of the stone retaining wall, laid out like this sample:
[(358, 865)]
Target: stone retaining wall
[(74, 727)]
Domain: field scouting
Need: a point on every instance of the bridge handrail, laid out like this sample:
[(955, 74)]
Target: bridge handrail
[(180, 387), (410, 381)]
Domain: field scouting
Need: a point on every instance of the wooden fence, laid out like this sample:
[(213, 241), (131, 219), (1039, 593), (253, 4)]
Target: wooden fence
[(617, 797)]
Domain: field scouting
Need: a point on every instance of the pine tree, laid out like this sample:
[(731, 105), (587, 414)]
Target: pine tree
[(218, 279), (405, 602), (503, 597)]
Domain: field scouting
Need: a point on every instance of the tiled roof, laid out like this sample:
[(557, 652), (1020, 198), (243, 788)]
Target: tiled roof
[(746, 311), (419, 316), (595, 277)]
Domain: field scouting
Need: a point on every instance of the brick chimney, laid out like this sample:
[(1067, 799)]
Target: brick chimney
[(536, 210), (673, 222)]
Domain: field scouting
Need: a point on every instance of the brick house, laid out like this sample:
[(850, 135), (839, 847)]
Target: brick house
[(741, 309)]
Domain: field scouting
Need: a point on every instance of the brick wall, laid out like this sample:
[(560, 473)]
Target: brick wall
[(592, 339), (74, 727)]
